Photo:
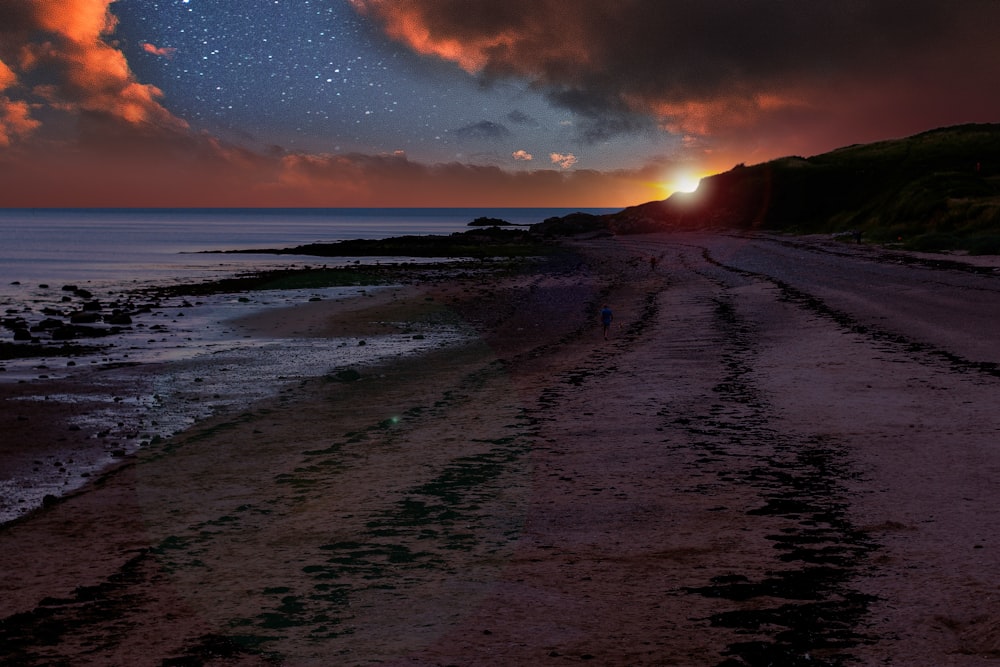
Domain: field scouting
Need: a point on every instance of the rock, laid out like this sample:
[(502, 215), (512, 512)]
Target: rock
[(64, 333), (46, 324), (71, 331), (84, 318), (118, 318), (347, 375), (489, 222)]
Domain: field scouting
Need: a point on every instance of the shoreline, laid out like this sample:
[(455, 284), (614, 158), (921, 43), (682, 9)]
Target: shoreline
[(103, 399), (91, 412), (771, 457)]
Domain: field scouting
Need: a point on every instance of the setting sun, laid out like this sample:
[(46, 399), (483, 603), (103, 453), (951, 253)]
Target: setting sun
[(681, 182), (687, 183)]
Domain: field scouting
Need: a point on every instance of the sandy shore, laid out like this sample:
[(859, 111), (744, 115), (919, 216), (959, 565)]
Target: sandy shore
[(785, 454)]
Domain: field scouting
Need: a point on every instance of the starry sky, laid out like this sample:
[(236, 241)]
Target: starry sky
[(570, 103), (323, 79)]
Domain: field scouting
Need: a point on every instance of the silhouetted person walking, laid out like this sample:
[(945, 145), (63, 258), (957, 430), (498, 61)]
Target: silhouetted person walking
[(606, 317)]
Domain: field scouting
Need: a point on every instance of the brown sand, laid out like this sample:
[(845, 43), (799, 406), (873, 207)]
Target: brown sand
[(786, 454)]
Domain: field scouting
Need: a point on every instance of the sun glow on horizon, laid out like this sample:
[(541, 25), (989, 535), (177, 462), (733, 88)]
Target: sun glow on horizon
[(681, 182)]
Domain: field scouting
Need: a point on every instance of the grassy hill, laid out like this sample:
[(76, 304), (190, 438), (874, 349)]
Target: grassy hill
[(939, 190)]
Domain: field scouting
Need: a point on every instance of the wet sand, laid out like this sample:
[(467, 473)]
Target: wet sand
[(785, 454)]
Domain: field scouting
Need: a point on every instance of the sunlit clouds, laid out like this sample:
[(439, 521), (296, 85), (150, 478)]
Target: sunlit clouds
[(563, 161), (162, 51), (7, 76), (58, 50), (15, 116)]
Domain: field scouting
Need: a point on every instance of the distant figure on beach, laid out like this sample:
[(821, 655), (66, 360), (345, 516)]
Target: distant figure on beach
[(652, 262), (606, 317)]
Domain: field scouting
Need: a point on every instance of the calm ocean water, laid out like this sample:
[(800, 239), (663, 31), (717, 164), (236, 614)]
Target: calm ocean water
[(119, 246), (111, 252)]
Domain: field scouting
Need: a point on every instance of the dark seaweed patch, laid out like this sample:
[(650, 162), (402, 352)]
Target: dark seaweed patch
[(24, 636), (222, 647), (804, 609), (441, 515)]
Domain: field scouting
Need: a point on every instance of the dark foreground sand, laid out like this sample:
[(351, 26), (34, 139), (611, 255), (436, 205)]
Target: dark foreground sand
[(786, 454)]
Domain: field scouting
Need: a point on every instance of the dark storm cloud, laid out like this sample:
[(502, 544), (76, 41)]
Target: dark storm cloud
[(484, 130), (717, 66), (518, 117)]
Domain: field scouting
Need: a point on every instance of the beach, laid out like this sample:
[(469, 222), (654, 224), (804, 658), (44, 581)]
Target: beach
[(785, 453)]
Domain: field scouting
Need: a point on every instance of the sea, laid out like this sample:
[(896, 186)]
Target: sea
[(126, 245), (183, 361)]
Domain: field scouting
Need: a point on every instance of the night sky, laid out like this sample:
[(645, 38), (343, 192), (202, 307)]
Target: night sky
[(462, 102), (315, 76)]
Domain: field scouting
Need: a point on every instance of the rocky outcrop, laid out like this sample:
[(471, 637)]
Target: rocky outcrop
[(85, 317)]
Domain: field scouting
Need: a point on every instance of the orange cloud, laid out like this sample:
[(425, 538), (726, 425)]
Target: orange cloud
[(64, 59), (522, 155), (7, 76), (564, 161), (485, 36), (15, 116), (15, 121), (164, 52), (79, 21), (410, 29), (721, 114)]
